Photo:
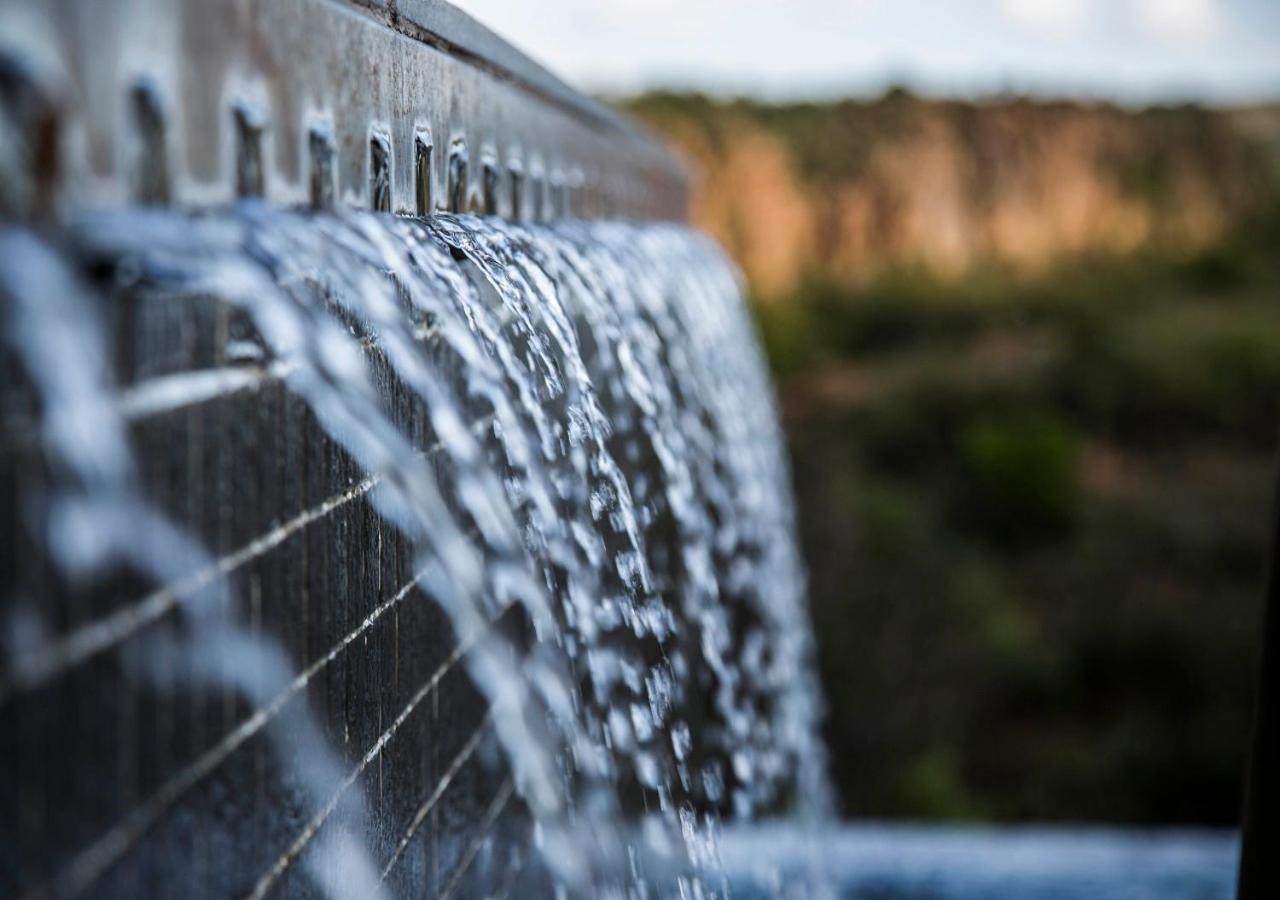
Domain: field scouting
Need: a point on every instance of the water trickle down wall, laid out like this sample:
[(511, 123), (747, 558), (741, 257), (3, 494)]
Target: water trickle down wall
[(357, 555)]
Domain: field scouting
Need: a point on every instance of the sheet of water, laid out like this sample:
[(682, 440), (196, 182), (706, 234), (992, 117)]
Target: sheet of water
[(604, 459)]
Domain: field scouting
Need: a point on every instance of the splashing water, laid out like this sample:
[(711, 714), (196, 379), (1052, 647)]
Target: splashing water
[(570, 433)]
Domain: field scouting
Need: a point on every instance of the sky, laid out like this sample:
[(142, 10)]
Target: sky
[(1132, 51)]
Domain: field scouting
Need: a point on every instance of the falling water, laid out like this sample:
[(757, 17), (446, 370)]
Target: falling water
[(569, 430)]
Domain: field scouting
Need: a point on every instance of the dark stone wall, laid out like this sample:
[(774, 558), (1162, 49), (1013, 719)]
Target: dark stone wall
[(118, 784)]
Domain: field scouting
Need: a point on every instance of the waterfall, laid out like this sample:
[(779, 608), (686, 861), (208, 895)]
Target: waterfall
[(278, 480)]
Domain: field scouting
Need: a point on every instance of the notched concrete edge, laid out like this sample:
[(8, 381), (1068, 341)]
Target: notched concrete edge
[(195, 103)]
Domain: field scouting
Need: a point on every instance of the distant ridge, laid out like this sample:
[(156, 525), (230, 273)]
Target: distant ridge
[(846, 189)]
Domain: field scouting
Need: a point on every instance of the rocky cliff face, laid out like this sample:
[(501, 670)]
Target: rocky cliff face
[(842, 191)]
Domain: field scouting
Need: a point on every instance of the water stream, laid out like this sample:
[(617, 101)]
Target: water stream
[(569, 427)]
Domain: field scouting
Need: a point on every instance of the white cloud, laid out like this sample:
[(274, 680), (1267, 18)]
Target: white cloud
[(1053, 17), (1183, 21), (662, 17), (712, 18)]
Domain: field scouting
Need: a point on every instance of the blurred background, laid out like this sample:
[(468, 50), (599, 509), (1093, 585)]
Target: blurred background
[(1016, 264)]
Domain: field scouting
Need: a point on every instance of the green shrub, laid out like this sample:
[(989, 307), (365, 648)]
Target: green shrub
[(1020, 478)]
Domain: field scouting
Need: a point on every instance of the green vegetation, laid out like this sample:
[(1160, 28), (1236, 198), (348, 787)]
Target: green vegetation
[(1035, 511)]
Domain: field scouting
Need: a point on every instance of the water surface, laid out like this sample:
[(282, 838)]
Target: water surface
[(913, 862)]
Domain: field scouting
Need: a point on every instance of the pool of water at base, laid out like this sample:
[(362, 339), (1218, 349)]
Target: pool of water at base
[(921, 862)]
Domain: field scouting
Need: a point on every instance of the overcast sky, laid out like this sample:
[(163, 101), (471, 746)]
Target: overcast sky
[(1132, 50)]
